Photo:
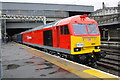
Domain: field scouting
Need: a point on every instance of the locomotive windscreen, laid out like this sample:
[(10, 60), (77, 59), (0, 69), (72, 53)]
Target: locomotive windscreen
[(81, 29), (92, 28)]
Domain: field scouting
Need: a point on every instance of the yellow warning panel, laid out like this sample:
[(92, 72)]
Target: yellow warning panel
[(33, 49), (98, 74)]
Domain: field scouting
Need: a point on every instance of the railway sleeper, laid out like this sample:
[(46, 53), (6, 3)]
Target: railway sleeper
[(112, 57), (109, 62), (109, 53), (110, 50), (108, 66)]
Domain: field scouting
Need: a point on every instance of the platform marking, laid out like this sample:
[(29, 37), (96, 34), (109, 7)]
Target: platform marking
[(72, 70), (107, 74), (33, 49), (97, 73), (18, 44)]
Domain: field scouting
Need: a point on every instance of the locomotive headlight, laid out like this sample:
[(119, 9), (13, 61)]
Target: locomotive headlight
[(79, 44), (77, 49), (97, 47)]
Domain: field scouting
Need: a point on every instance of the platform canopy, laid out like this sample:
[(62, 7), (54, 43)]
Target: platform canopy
[(45, 6)]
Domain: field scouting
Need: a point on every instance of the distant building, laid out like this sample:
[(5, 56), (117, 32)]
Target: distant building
[(105, 11), (119, 10), (119, 6), (109, 22)]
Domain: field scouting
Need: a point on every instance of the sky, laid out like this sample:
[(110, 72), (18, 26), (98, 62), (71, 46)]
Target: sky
[(96, 3)]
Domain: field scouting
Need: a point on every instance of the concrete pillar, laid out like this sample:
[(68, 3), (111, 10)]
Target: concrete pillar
[(0, 43), (0, 50), (44, 20)]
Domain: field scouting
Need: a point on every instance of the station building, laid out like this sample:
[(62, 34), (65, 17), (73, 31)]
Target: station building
[(105, 10), (109, 22), (52, 12)]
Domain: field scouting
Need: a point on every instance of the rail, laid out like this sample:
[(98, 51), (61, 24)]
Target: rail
[(111, 61), (110, 44)]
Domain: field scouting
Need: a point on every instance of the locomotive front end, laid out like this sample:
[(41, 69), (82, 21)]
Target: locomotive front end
[(85, 42)]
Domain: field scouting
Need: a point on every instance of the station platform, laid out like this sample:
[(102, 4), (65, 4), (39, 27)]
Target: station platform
[(20, 61)]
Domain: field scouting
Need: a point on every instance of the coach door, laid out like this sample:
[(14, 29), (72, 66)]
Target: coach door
[(48, 38)]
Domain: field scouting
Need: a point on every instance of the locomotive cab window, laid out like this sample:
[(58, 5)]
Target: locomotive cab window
[(92, 29), (79, 29), (64, 30)]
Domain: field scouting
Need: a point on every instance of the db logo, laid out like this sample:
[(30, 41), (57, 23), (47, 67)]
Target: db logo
[(89, 39), (28, 37)]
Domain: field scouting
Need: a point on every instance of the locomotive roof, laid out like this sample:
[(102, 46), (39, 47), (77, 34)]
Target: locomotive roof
[(52, 24), (58, 23)]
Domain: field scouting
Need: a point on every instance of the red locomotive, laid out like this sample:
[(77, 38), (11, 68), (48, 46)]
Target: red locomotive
[(76, 38)]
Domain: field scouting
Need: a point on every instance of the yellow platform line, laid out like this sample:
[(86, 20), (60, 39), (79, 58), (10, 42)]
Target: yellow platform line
[(90, 73), (98, 73), (72, 70)]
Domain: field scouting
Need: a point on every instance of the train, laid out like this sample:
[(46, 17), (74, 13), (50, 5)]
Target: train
[(76, 38)]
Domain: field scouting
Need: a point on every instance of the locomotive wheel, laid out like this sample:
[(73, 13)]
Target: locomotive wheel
[(50, 52)]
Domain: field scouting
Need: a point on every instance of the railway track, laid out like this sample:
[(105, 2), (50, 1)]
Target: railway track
[(111, 63)]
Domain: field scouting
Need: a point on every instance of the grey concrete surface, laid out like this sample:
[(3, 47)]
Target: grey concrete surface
[(18, 63)]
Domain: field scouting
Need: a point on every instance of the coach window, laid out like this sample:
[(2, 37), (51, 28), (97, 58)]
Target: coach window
[(64, 30)]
